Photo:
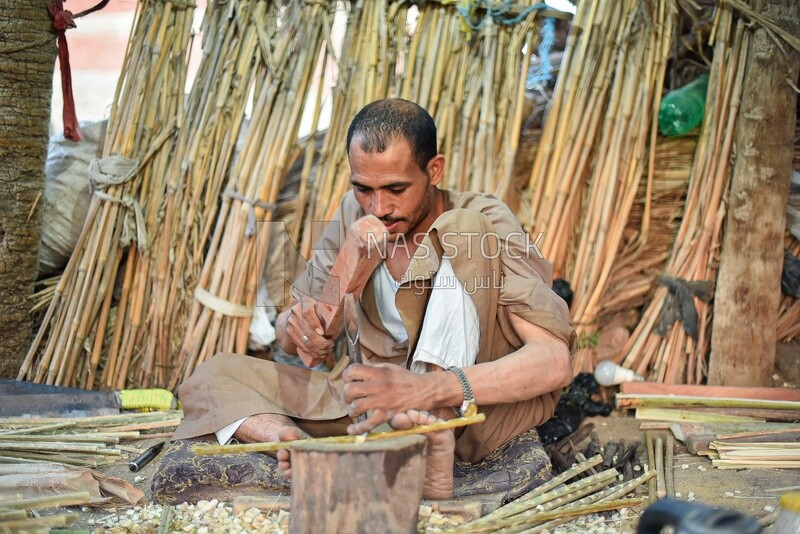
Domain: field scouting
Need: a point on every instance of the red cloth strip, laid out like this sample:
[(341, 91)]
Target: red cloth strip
[(62, 21)]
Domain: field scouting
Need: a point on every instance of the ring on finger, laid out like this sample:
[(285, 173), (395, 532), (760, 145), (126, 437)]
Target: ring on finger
[(304, 339)]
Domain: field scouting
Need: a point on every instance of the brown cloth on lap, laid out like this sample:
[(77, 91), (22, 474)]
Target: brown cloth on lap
[(512, 470)]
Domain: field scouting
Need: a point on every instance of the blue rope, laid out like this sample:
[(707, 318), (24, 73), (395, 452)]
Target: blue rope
[(497, 13), (541, 74)]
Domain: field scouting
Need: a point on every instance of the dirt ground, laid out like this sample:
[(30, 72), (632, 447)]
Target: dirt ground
[(747, 490)]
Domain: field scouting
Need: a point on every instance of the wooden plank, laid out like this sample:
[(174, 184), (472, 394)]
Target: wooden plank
[(652, 388), (751, 259), (688, 416), (624, 400)]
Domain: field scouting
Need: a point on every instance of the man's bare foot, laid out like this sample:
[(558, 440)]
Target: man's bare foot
[(267, 427), (441, 454)]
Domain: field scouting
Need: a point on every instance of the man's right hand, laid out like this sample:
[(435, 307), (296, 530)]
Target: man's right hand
[(305, 332)]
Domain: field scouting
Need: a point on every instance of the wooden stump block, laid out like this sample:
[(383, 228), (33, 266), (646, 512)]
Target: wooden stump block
[(358, 487)]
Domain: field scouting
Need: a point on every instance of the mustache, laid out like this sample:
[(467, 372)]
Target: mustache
[(390, 220)]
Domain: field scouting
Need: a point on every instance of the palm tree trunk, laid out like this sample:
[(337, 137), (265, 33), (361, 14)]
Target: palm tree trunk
[(27, 56)]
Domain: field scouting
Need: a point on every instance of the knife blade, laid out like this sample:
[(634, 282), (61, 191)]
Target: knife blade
[(352, 334)]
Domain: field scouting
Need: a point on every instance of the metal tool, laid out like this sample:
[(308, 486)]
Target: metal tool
[(351, 329), (146, 457), (695, 518), (352, 335)]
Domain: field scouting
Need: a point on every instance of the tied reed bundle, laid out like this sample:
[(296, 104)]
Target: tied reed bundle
[(604, 111), (287, 43), (677, 357), (372, 46), (626, 143), (126, 206)]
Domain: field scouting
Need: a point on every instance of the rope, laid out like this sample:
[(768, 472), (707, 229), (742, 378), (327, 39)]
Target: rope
[(497, 14), (220, 305), (541, 73), (116, 170), (250, 229)]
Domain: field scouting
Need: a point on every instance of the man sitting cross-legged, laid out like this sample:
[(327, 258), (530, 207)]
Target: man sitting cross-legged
[(460, 308)]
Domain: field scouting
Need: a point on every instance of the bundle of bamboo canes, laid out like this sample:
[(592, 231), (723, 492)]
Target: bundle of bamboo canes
[(627, 129), (638, 264), (126, 208), (604, 109), (83, 441), (287, 43), (678, 357), (471, 83), (556, 501)]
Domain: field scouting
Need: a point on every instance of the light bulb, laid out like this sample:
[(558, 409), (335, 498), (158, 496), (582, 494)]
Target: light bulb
[(608, 373)]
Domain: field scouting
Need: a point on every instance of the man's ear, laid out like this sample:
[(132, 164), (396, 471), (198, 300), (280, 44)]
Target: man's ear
[(435, 169)]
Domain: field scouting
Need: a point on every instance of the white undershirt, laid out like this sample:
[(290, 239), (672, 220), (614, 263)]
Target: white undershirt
[(450, 333)]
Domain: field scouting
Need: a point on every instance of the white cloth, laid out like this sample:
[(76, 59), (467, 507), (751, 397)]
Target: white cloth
[(225, 434), (450, 332), (385, 289)]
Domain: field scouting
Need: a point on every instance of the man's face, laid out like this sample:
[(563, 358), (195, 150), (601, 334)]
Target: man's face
[(392, 187)]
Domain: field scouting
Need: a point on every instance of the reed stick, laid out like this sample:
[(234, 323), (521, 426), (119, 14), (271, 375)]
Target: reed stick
[(635, 400), (48, 501), (31, 524), (669, 467), (458, 422)]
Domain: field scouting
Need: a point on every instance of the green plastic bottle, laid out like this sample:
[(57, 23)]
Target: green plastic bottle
[(682, 109)]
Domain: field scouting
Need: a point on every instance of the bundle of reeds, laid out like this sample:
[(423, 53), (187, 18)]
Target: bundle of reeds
[(558, 501), (471, 82), (86, 441), (237, 49), (676, 356), (603, 111), (474, 87), (287, 42), (648, 240), (625, 144), (126, 208)]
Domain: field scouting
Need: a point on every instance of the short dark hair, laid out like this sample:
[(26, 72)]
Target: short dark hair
[(382, 121)]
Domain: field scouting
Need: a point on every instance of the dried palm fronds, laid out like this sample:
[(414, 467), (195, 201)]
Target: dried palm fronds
[(288, 44), (677, 356), (126, 209), (638, 264)]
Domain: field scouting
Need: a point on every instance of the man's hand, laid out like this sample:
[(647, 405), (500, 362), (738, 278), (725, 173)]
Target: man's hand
[(304, 330), (385, 390)]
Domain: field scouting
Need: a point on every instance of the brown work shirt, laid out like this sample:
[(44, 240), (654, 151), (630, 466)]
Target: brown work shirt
[(500, 269)]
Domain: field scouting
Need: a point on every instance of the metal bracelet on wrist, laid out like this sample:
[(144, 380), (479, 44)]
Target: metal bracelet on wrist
[(466, 407)]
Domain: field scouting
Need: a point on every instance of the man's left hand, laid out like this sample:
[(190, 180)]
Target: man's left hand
[(384, 390)]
